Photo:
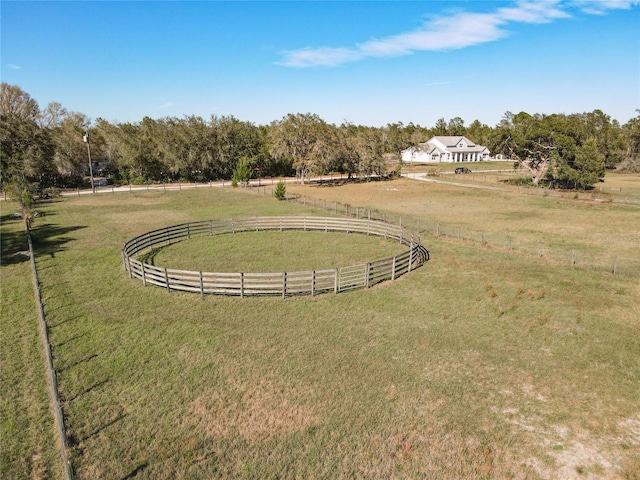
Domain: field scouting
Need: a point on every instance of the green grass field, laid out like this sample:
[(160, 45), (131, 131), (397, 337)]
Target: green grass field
[(480, 364)]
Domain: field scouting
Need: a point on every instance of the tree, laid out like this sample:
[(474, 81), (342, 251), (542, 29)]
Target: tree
[(479, 132), (15, 102), (243, 171), (301, 139), (456, 127), (370, 149), (528, 142), (608, 136), (280, 191), (589, 164), (440, 128), (25, 148), (71, 155), (52, 116), (396, 139), (631, 132)]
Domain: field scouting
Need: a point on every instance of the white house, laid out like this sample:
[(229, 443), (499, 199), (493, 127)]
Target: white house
[(446, 149)]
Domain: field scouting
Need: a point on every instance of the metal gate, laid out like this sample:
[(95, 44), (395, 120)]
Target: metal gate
[(353, 276)]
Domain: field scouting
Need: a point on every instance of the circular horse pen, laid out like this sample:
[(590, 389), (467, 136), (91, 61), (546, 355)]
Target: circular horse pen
[(281, 283)]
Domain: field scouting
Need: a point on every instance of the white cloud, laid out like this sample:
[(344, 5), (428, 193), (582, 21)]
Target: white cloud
[(459, 30), (11, 66), (600, 7), (166, 105), (540, 11), (323, 56)]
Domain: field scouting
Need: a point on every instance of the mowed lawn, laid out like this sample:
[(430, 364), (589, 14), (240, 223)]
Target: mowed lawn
[(480, 364)]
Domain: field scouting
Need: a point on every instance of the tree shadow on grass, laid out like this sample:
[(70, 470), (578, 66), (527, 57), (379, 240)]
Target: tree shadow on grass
[(48, 239), (134, 473), (15, 248)]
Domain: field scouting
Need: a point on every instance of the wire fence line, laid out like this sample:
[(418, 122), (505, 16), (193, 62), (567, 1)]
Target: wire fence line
[(51, 371), (568, 255)]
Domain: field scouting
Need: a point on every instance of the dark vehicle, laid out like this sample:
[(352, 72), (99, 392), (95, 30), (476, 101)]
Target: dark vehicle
[(462, 170)]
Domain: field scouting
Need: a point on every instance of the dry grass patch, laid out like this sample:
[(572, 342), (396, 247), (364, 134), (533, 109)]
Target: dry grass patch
[(255, 412)]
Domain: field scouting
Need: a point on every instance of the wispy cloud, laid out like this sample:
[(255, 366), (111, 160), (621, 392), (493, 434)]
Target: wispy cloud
[(167, 105), (459, 30), (600, 7), (12, 66)]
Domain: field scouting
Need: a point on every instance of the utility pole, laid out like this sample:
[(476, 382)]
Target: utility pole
[(86, 140)]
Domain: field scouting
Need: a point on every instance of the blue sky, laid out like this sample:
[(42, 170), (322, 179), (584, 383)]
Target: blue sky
[(368, 63)]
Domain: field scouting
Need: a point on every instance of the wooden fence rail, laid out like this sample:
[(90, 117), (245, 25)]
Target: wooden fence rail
[(280, 283)]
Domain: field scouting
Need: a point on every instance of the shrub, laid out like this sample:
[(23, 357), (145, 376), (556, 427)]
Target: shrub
[(280, 191)]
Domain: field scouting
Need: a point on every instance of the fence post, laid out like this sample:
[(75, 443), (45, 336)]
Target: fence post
[(201, 285), (336, 281), (284, 284), (144, 277), (393, 269), (410, 255), (166, 278), (367, 273), (241, 285), (313, 283)]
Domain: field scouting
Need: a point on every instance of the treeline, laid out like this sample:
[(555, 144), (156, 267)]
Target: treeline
[(50, 147)]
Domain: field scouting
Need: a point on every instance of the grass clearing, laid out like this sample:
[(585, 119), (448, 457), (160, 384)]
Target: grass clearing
[(479, 364), (273, 251), (595, 234)]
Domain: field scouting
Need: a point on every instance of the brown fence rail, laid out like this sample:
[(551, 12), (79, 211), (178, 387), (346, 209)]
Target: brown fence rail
[(281, 283)]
